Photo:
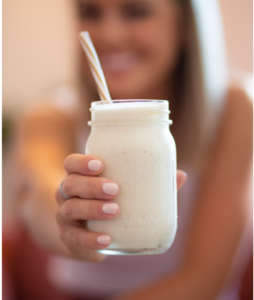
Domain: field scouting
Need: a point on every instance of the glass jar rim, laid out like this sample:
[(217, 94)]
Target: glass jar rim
[(138, 111), (105, 102)]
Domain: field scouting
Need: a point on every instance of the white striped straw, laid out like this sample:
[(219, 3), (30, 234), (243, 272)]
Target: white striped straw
[(95, 65)]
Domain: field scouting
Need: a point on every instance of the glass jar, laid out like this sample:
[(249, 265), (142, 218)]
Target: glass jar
[(133, 140)]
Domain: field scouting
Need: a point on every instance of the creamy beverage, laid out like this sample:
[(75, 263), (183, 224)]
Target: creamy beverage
[(133, 140)]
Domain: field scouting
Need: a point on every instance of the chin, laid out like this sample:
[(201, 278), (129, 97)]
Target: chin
[(126, 85), (126, 89), (125, 93)]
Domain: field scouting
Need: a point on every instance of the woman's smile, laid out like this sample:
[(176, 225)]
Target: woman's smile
[(119, 63), (138, 44)]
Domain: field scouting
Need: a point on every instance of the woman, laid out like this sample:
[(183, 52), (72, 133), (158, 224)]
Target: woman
[(148, 49)]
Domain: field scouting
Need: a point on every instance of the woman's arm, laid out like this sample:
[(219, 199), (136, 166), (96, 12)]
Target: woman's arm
[(44, 138), (223, 208)]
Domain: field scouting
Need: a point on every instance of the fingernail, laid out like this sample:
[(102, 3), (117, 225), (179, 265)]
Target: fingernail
[(94, 165), (110, 208), (110, 188), (103, 239), (185, 174)]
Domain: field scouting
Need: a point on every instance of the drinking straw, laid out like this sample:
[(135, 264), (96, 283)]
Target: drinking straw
[(95, 65)]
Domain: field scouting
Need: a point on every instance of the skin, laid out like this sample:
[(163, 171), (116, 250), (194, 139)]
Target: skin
[(222, 206), (131, 39), (86, 203), (40, 157)]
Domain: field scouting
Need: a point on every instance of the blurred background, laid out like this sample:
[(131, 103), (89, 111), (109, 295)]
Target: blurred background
[(40, 51), (40, 46)]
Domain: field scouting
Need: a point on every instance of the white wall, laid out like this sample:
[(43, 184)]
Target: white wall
[(40, 45), (238, 26)]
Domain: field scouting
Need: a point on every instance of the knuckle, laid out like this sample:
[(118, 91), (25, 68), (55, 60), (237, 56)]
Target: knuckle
[(67, 161), (57, 195), (62, 233), (60, 220), (67, 208), (75, 238), (68, 183)]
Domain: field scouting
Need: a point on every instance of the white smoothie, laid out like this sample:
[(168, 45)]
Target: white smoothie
[(134, 142)]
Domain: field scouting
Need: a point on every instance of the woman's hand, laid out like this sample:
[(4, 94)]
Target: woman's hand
[(90, 199)]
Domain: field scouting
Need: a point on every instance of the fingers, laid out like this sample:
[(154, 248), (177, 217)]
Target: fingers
[(79, 209), (76, 185), (96, 187), (180, 178), (83, 164), (77, 239), (59, 198)]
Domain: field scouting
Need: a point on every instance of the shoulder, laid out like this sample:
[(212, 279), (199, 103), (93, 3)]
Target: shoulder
[(240, 93), (239, 103), (236, 130)]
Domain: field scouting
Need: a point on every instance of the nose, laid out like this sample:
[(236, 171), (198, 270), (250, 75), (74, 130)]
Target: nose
[(113, 33)]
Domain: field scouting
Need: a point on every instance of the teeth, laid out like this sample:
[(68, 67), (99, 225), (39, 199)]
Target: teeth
[(118, 62)]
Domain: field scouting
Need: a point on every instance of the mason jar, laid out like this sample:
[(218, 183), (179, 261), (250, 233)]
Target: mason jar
[(133, 140)]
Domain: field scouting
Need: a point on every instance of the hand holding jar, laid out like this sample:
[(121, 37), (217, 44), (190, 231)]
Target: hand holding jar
[(135, 213), (89, 200)]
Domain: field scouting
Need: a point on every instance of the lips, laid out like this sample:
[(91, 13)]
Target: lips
[(115, 63)]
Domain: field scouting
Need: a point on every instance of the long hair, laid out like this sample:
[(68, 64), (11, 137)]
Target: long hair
[(199, 82)]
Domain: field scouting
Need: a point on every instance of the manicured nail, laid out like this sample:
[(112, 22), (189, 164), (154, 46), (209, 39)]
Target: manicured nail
[(103, 239), (110, 208), (110, 188), (94, 165)]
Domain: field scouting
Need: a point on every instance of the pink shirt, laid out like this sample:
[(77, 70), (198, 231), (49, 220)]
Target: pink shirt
[(120, 274)]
